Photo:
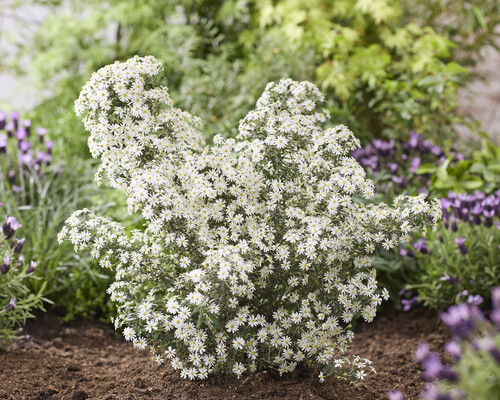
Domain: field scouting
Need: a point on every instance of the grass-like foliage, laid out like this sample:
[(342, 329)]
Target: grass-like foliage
[(256, 251), (16, 299)]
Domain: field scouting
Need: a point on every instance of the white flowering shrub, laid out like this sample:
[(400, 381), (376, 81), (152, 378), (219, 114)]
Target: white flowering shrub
[(255, 252)]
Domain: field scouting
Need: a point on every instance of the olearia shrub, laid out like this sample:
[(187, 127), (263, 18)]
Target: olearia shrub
[(255, 252), (17, 301), (472, 370)]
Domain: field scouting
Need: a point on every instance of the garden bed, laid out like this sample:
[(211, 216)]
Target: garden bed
[(87, 360)]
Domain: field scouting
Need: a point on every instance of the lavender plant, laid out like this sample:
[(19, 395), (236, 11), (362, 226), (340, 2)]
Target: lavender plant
[(39, 194), (461, 262), (16, 299), (474, 352), (256, 251)]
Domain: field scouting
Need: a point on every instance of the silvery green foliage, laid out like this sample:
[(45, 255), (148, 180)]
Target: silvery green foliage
[(256, 251)]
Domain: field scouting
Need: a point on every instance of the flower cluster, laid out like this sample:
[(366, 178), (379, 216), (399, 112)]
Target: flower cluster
[(27, 155), (15, 299), (255, 251), (474, 209), (474, 351), (402, 159)]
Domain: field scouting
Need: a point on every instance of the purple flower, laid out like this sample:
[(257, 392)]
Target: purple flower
[(5, 267), (408, 304), (421, 246), (489, 345), (395, 395), (448, 278), (462, 319), (19, 246), (414, 164), (10, 226), (422, 352), (9, 307), (475, 300), (3, 118), (406, 253), (432, 367), (41, 133), (31, 268), (461, 245), (3, 143), (453, 349)]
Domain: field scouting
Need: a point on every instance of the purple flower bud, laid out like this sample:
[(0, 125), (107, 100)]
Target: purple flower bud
[(461, 245), (421, 246), (3, 118), (453, 349), (462, 319), (10, 226), (395, 395), (14, 116), (25, 146), (414, 164), (447, 278), (21, 134), (5, 267), (12, 176), (422, 352), (414, 140), (9, 307), (31, 268), (448, 374), (406, 253), (3, 143), (489, 345), (20, 261), (49, 145), (476, 300), (41, 133), (393, 167), (495, 298), (19, 246), (432, 367), (489, 218), (408, 304)]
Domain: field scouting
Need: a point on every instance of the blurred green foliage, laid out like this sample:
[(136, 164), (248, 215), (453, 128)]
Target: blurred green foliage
[(383, 73), (480, 172)]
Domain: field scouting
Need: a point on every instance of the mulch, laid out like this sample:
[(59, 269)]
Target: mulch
[(88, 360)]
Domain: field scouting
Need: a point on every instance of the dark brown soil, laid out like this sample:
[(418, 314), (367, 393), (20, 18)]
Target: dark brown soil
[(86, 360)]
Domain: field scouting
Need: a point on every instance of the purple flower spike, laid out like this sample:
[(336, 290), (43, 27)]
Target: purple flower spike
[(408, 304), (489, 345), (422, 352), (3, 143), (453, 349), (10, 226), (31, 268), (395, 395), (5, 267), (3, 118), (461, 245), (462, 319), (475, 300), (406, 253), (414, 164), (19, 246), (12, 304), (421, 246), (432, 367)]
